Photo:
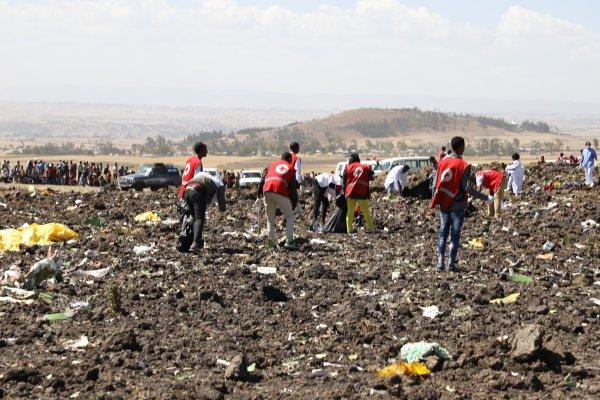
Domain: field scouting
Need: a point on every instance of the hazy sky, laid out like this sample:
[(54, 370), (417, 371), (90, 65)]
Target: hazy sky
[(456, 48)]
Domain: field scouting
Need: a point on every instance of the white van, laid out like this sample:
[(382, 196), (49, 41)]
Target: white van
[(375, 166), (415, 163)]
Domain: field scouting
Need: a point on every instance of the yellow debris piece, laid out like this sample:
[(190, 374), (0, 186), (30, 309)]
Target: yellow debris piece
[(404, 368), (547, 256), (476, 243), (511, 298), (34, 234), (148, 216)]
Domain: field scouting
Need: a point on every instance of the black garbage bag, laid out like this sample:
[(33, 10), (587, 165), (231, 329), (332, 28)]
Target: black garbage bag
[(421, 191), (186, 234), (337, 222)]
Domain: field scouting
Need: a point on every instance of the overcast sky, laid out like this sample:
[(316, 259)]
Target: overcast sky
[(521, 50)]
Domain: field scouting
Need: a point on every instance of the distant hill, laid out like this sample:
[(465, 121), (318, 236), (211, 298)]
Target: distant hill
[(391, 124)]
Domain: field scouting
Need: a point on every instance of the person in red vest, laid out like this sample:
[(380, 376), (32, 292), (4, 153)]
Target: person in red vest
[(296, 162), (278, 186), (442, 153), (193, 165), (355, 181), (495, 182), (451, 189)]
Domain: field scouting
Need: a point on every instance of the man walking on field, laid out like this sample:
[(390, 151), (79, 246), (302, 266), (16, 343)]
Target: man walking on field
[(588, 160)]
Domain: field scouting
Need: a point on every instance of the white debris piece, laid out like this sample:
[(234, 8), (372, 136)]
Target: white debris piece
[(266, 270), (430, 312)]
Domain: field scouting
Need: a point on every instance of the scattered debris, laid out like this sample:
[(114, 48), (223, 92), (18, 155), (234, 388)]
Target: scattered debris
[(511, 298), (149, 216), (430, 312), (548, 246), (404, 368)]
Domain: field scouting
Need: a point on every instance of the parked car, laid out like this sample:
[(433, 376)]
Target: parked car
[(339, 170), (214, 172), (154, 177), (415, 163), (250, 178)]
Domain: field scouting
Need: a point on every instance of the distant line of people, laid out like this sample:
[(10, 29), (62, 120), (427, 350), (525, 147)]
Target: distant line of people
[(81, 173)]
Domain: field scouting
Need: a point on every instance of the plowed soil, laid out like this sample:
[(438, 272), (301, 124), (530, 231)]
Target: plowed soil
[(332, 315)]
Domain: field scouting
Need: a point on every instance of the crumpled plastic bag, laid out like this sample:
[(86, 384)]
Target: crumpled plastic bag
[(149, 216), (34, 234), (589, 225), (413, 352), (511, 298), (40, 272), (404, 368), (476, 243), (12, 274)]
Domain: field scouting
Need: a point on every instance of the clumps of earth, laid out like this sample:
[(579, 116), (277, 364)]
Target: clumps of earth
[(246, 321)]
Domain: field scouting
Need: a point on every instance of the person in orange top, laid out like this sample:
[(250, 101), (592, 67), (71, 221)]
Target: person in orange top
[(495, 182)]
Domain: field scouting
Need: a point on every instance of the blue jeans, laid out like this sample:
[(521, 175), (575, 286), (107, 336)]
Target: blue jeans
[(451, 223)]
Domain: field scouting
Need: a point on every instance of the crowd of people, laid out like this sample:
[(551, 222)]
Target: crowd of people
[(63, 172), (455, 184)]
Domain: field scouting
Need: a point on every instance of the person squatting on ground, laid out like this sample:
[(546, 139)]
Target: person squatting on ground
[(322, 184), (355, 181), (296, 162), (588, 160), (397, 179), (279, 188), (516, 173), (201, 191), (452, 187), (495, 182)]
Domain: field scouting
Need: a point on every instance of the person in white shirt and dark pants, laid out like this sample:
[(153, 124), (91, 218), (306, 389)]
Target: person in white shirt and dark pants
[(323, 183), (396, 179), (516, 173)]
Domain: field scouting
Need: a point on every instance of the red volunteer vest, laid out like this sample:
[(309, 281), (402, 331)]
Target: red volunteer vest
[(492, 179), (357, 179), (294, 159), (188, 172), (279, 177), (449, 176)]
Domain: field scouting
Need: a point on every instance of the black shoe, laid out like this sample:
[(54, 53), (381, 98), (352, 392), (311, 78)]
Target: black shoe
[(293, 245), (440, 264)]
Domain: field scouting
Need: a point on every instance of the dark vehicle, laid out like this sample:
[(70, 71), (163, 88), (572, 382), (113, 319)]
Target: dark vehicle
[(153, 176)]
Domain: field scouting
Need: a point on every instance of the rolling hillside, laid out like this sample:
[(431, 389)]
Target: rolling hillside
[(410, 124)]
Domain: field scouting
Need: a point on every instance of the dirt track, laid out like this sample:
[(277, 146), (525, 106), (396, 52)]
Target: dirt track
[(326, 322)]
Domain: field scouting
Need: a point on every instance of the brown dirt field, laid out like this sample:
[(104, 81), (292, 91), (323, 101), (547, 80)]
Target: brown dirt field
[(164, 324)]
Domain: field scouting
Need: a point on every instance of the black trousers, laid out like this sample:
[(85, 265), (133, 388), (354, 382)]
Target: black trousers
[(196, 201), (321, 202)]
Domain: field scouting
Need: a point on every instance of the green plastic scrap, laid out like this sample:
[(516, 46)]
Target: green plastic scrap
[(55, 317), (46, 297), (96, 222), (521, 278), (414, 352), (462, 311)]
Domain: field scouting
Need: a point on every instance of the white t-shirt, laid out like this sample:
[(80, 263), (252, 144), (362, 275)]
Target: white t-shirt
[(516, 170), (396, 175), (324, 179)]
